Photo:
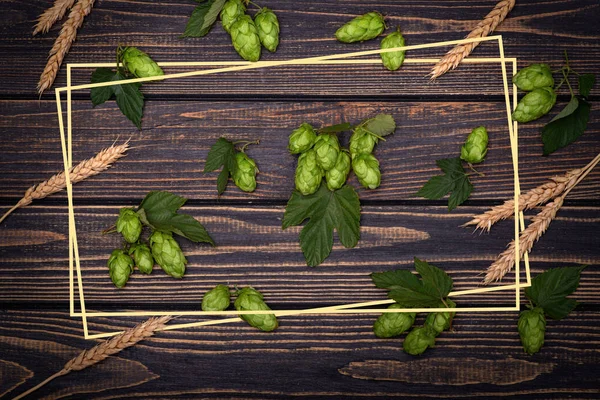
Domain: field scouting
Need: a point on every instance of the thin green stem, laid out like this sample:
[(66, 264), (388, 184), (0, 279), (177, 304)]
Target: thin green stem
[(246, 144), (254, 4), (474, 170), (566, 78)]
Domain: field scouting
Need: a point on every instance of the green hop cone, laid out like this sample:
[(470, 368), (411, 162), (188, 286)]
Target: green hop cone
[(361, 28), (475, 147), (232, 10), (393, 324), (245, 174), (302, 139), (268, 28), (142, 256), (366, 168), (419, 340), (533, 77), (249, 299), (217, 299), (532, 327), (327, 148), (129, 225), (168, 254), (308, 173), (245, 39), (139, 63), (394, 59), (362, 142), (535, 104), (441, 321), (336, 176), (120, 267)]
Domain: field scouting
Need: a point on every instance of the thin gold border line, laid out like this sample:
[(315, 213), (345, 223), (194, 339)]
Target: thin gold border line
[(70, 164)]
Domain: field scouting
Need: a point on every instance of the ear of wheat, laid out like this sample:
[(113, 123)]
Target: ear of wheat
[(101, 351), (85, 169), (483, 29), (63, 43), (51, 15)]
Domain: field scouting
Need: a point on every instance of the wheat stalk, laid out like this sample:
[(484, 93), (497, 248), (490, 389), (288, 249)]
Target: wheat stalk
[(484, 28), (90, 167), (63, 43), (103, 350), (51, 15)]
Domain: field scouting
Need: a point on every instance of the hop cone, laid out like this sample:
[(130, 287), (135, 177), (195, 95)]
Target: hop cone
[(139, 63), (419, 340), (394, 59), (441, 321), (532, 327), (168, 254), (327, 148), (120, 267), (533, 77), (362, 142), (129, 225), (245, 39), (245, 174), (230, 12), (336, 176), (249, 299), (302, 139), (268, 28), (308, 173), (535, 104), (393, 324), (475, 147), (364, 27), (217, 299), (366, 168), (142, 255)]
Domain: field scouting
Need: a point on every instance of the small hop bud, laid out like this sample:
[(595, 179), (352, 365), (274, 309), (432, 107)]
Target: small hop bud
[(533, 77), (535, 104), (366, 168), (245, 173), (308, 173), (142, 256), (419, 340), (361, 28), (362, 142), (245, 39), (302, 139), (230, 12), (393, 324), (139, 63), (168, 254), (441, 321), (268, 28), (532, 328), (327, 148), (394, 59), (336, 176), (475, 147), (129, 225), (217, 299), (249, 299), (120, 267)]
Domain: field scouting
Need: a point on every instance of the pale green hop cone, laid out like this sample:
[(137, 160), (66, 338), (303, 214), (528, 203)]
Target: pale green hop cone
[(216, 299), (245, 174), (532, 328), (249, 299), (535, 104), (393, 324), (327, 148), (139, 63), (475, 147), (361, 28), (366, 168), (268, 28), (142, 256), (308, 173), (245, 39), (120, 267), (419, 340), (168, 254), (394, 59), (362, 142), (302, 139), (336, 176), (129, 225), (533, 77), (441, 321), (232, 10)]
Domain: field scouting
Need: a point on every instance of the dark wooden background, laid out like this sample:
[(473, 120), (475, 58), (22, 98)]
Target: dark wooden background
[(309, 356)]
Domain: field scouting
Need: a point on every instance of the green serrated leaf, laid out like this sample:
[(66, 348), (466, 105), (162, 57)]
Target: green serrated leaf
[(561, 132), (156, 201), (219, 155), (432, 276), (203, 17), (222, 180), (102, 94), (560, 309), (451, 166), (455, 181), (460, 193), (437, 187), (395, 279), (188, 227), (335, 128), (381, 125), (130, 100), (549, 290), (568, 110), (586, 83), (421, 298)]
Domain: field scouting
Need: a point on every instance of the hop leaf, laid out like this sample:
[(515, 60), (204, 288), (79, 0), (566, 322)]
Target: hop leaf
[(203, 18)]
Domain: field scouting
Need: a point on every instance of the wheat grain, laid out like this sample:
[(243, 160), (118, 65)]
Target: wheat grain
[(85, 169), (63, 43), (51, 15), (484, 28)]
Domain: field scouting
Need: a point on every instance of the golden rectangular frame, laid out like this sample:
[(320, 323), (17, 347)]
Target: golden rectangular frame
[(355, 308)]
